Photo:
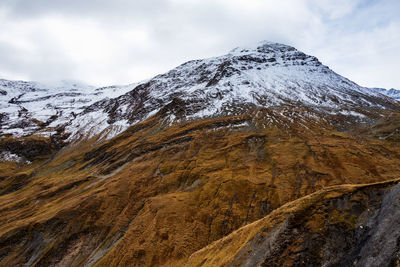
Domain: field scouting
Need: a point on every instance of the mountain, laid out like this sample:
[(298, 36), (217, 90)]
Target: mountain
[(35, 108), (264, 75), (261, 156), (393, 93)]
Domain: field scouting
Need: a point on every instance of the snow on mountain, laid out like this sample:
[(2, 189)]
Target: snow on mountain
[(393, 93), (263, 75), (32, 107)]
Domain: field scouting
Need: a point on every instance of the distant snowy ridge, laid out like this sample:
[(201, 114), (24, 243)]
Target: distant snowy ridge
[(393, 93), (37, 108)]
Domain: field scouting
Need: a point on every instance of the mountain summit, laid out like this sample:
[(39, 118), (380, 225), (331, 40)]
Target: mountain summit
[(264, 75)]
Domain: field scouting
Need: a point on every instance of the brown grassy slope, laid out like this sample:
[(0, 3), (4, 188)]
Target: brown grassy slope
[(155, 194), (315, 230)]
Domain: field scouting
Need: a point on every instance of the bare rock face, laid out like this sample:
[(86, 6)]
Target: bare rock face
[(339, 226), (30, 148)]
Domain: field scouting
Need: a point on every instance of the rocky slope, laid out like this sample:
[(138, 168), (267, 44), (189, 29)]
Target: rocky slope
[(338, 226), (203, 151)]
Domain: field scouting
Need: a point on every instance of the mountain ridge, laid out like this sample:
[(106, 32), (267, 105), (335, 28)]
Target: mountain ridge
[(263, 75), (393, 93)]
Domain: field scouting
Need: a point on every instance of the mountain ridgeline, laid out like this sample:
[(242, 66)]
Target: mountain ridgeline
[(260, 157), (393, 93), (264, 75)]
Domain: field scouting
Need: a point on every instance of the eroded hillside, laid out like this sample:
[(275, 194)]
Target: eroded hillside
[(159, 192), (345, 225)]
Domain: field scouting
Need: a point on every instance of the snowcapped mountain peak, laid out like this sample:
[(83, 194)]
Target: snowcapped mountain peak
[(262, 47), (264, 74), (274, 52)]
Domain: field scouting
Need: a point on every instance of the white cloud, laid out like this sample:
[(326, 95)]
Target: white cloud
[(107, 42), (336, 9)]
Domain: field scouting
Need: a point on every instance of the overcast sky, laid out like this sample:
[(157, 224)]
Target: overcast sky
[(105, 42)]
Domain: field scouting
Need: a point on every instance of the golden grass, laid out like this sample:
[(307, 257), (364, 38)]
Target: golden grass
[(222, 252), (155, 194)]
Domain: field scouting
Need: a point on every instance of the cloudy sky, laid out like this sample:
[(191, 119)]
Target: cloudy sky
[(104, 42)]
